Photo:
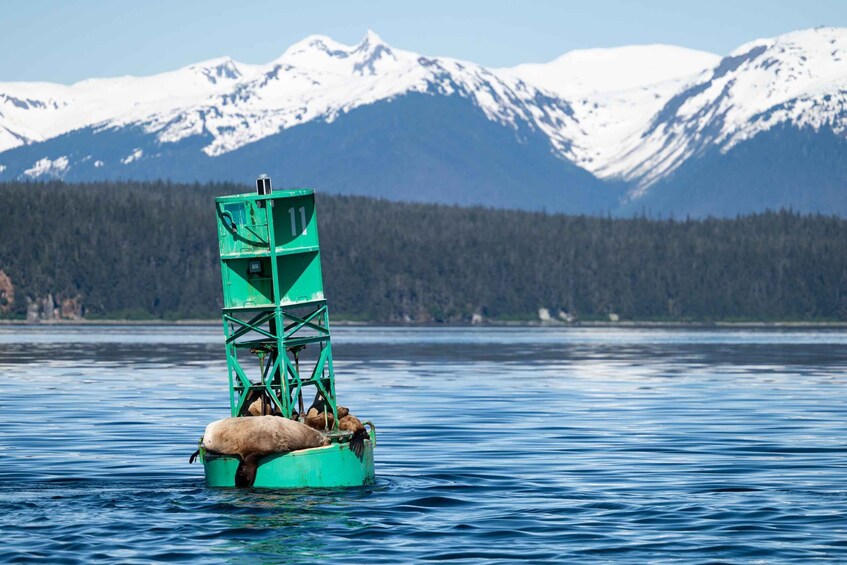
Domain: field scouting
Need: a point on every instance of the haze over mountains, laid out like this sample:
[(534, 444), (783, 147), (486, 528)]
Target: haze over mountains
[(654, 128)]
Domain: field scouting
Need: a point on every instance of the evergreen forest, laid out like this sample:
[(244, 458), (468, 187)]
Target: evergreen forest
[(131, 250)]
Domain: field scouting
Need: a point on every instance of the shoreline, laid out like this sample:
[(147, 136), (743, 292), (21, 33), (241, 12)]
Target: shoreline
[(646, 324)]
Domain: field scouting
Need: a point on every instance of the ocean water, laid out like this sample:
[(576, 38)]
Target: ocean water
[(493, 444)]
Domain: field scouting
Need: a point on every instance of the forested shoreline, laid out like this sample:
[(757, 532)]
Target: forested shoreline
[(127, 250)]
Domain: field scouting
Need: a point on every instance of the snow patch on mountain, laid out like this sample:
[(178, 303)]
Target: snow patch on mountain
[(134, 156), (55, 168), (615, 93), (586, 71)]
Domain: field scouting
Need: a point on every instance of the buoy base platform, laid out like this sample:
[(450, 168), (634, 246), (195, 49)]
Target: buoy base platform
[(334, 465)]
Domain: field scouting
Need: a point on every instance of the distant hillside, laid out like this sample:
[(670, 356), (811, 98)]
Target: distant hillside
[(130, 250)]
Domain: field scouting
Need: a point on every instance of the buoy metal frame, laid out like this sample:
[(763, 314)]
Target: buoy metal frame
[(273, 297), (274, 305)]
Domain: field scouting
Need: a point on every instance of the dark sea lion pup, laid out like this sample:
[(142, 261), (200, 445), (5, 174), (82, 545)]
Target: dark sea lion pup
[(254, 437)]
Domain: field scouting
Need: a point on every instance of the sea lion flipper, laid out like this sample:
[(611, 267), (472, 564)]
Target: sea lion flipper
[(193, 457), (245, 475), (357, 443)]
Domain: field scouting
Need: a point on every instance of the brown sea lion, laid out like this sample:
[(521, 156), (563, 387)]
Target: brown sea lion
[(350, 423), (319, 420), (357, 443), (258, 404), (319, 416), (324, 420), (252, 438)]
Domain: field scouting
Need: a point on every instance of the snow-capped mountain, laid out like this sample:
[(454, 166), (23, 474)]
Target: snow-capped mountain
[(33, 112), (799, 79), (237, 104), (295, 115), (764, 128), (649, 127), (614, 94)]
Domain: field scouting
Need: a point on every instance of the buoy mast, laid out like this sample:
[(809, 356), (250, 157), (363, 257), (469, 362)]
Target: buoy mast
[(274, 302)]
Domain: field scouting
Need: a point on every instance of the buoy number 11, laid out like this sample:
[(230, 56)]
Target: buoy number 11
[(293, 213)]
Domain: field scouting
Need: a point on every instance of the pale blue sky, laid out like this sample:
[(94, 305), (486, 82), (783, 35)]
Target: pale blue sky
[(65, 41)]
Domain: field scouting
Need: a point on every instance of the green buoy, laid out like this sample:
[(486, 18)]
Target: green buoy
[(274, 307)]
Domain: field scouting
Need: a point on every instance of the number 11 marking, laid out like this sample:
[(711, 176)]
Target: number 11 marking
[(292, 213)]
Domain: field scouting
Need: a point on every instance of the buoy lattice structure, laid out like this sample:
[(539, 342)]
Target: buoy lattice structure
[(273, 308)]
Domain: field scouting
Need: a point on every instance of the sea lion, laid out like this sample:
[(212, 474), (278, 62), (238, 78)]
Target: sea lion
[(319, 416), (252, 438), (258, 404), (324, 420), (360, 433), (320, 420)]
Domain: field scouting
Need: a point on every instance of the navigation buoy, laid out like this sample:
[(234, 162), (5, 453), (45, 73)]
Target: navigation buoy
[(274, 308)]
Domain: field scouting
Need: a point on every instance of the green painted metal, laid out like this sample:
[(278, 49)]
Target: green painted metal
[(332, 466), (273, 296), (274, 305)]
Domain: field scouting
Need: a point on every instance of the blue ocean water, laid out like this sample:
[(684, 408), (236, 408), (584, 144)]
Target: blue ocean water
[(494, 444)]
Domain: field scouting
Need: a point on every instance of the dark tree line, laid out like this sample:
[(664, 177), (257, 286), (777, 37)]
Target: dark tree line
[(149, 250)]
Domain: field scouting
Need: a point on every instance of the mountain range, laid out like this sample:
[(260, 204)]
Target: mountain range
[(654, 129)]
